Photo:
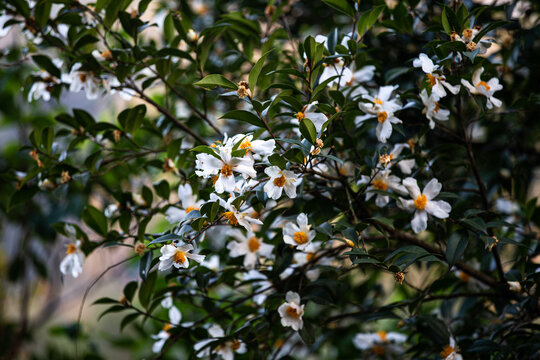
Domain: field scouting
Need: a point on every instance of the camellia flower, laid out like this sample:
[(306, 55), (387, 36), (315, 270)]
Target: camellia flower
[(480, 87), (291, 312), (177, 255), (382, 180), (280, 180), (383, 108), (224, 166), (258, 149), (189, 202), (175, 316), (436, 81), (380, 343), (422, 203), (386, 161), (336, 67), (73, 262), (450, 351), (301, 258), (226, 350), (249, 246), (432, 109), (318, 119), (86, 80), (232, 214), (298, 234)]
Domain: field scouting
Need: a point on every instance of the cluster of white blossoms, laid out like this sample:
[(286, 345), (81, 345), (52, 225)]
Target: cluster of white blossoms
[(380, 343)]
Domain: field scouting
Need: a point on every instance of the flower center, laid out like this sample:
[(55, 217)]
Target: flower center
[(310, 256), (179, 257), (82, 77), (190, 209), (380, 185), (484, 84), (300, 237), (167, 327), (382, 116), (107, 55), (378, 349), (245, 144), (385, 159), (432, 79), (420, 202), (467, 33), (292, 312), (71, 249), (382, 335), (447, 351), (226, 170), (464, 276), (300, 115), (437, 107), (350, 82), (235, 344), (254, 244), (280, 181), (377, 101), (229, 215)]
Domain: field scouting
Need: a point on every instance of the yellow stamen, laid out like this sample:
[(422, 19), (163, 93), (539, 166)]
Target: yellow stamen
[(420, 202), (229, 215), (300, 115), (379, 185), (190, 209), (382, 116), (377, 101), (385, 159), (71, 249), (235, 344), (107, 55), (464, 276), (254, 244), (292, 312), (167, 327), (484, 84), (382, 335), (245, 144), (310, 256), (447, 351), (437, 107), (226, 170), (280, 181), (378, 349), (432, 79), (300, 237), (179, 257), (467, 33)]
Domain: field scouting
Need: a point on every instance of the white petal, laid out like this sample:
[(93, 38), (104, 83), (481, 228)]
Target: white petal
[(419, 221)]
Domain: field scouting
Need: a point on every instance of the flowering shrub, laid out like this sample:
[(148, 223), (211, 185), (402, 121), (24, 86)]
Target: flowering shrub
[(337, 179)]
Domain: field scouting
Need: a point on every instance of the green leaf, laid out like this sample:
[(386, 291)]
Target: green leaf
[(165, 238), (244, 116), (277, 160), (131, 119), (147, 288), (445, 23), (129, 290), (341, 6), (128, 319), (144, 264), (95, 219), (214, 80), (308, 131), (256, 70), (369, 18), (46, 64), (455, 248), (163, 189)]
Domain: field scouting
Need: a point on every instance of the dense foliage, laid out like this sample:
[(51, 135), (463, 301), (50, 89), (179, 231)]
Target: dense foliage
[(331, 178)]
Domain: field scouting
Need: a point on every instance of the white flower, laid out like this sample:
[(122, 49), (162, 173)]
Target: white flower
[(318, 119), (280, 180), (232, 214), (432, 109), (249, 246), (177, 255), (211, 263), (73, 262), (382, 180), (438, 82), (225, 165), (259, 280), (422, 203), (386, 161), (380, 342), (480, 87), (336, 68), (160, 338), (364, 75), (189, 202), (86, 80), (298, 234), (450, 351), (258, 149), (175, 316), (301, 258), (383, 108), (226, 350), (292, 311)]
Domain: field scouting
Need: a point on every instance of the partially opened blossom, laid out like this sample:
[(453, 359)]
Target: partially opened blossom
[(224, 165), (226, 350), (423, 203), (451, 351), (189, 202), (73, 261), (487, 89), (386, 161), (432, 109), (250, 246), (382, 180), (280, 180), (309, 111), (436, 80), (81, 79), (380, 342), (291, 311), (233, 215), (299, 234), (177, 255), (382, 107), (258, 149)]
